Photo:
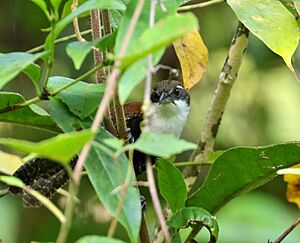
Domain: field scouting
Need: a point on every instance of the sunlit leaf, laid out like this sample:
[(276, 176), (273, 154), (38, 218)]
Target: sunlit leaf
[(32, 115), (192, 216), (11, 64), (161, 35), (271, 22), (43, 6), (59, 148), (12, 181), (171, 184), (193, 56), (240, 170), (164, 145), (9, 163), (81, 98), (98, 239)]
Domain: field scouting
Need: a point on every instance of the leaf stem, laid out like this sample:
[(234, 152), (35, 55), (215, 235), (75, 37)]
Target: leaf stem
[(57, 41), (199, 5), (65, 227), (55, 92)]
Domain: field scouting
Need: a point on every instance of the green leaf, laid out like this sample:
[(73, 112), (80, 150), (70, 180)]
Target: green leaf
[(240, 170), (11, 64), (194, 215), (107, 174), (55, 4), (9, 163), (81, 98), (12, 181), (78, 51), (171, 184), (272, 23), (63, 117), (137, 71), (60, 148), (34, 72), (27, 115), (134, 74), (164, 145), (181, 2), (85, 7), (160, 36), (98, 239), (43, 6)]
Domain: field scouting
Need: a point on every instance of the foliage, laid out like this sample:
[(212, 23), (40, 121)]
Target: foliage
[(66, 107)]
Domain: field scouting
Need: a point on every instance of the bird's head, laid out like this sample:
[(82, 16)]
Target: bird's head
[(170, 97)]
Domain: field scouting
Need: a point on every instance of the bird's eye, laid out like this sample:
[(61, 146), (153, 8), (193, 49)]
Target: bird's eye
[(176, 92), (154, 97)]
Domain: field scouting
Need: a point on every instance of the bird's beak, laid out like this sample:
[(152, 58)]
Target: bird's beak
[(165, 98)]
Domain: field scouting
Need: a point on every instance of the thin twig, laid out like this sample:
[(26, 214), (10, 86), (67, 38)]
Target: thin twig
[(155, 200), (126, 185), (287, 231), (75, 22), (60, 40), (65, 227), (199, 5), (147, 113), (111, 84)]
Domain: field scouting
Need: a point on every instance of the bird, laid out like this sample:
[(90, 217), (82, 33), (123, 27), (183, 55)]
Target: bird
[(169, 111)]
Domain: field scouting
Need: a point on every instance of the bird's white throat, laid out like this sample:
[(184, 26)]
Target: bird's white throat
[(169, 118)]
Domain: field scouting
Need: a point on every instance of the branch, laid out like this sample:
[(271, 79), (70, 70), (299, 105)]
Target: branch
[(97, 34), (147, 114), (287, 231), (199, 5), (57, 41), (227, 77), (109, 92)]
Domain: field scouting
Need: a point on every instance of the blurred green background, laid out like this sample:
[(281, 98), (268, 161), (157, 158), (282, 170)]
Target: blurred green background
[(263, 109)]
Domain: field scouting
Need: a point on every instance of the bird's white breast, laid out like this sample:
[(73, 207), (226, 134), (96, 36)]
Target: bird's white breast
[(169, 118)]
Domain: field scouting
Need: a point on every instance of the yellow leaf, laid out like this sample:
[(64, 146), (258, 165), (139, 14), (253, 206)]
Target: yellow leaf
[(193, 56), (293, 187), (9, 163)]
